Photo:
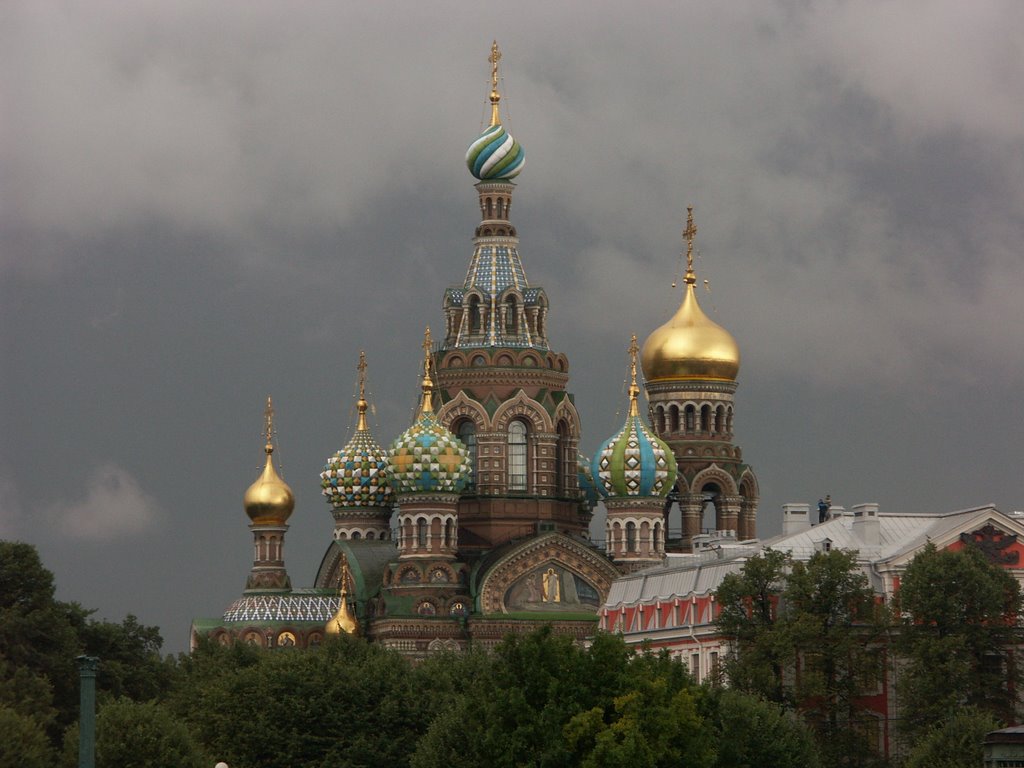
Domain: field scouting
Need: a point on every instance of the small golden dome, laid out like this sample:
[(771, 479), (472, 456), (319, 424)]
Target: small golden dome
[(690, 346), (342, 622), (269, 501)]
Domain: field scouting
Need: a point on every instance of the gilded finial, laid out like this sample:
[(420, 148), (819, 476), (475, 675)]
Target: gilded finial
[(342, 621), (268, 421), (428, 384), (634, 390), (494, 58), (689, 233), (361, 404)]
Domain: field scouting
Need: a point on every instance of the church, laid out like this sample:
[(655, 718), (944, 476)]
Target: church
[(475, 522)]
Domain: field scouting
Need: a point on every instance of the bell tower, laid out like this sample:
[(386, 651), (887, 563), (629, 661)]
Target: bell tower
[(690, 365)]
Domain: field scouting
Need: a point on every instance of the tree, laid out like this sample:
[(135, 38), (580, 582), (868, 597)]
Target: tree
[(955, 742), (131, 664), (832, 619), (960, 622), (140, 734), (38, 642), (748, 616), (347, 703), (753, 733), (806, 635), (23, 742), (541, 700)]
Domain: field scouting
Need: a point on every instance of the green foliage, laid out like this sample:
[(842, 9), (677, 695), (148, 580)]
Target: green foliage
[(807, 636), (131, 664), (40, 638), (753, 733), (958, 627), (748, 616), (140, 734), (38, 641), (955, 742), (347, 703), (23, 742), (540, 700)]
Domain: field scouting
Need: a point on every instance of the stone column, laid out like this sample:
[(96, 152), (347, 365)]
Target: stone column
[(727, 513), (692, 507)]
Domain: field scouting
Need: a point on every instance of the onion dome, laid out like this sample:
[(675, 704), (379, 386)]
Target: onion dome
[(634, 462), (356, 476), (495, 155), (427, 457), (690, 345), (342, 622), (586, 480), (269, 501)]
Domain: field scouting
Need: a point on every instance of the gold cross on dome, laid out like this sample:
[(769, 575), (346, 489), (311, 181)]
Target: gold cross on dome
[(689, 233), (494, 58), (634, 390), (268, 419), (362, 373)]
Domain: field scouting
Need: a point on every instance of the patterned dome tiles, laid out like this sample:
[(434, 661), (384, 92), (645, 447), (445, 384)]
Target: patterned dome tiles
[(428, 458), (634, 463), (356, 476)]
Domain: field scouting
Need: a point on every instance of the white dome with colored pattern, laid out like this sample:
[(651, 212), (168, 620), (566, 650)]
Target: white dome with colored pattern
[(635, 462), (356, 476)]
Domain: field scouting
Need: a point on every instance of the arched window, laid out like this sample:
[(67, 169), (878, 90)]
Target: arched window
[(474, 314), (673, 413), (421, 533), (467, 434), (720, 420), (449, 533), (691, 418), (631, 537), (517, 456), (705, 418), (511, 316)]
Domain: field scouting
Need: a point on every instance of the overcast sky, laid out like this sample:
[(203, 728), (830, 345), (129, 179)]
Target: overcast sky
[(205, 203)]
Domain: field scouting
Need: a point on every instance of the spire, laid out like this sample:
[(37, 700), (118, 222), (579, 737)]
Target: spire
[(689, 233), (494, 58), (428, 385), (268, 421), (634, 390), (361, 404), (342, 622)]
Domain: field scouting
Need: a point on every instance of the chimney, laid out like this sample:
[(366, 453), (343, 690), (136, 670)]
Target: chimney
[(865, 524), (795, 518)]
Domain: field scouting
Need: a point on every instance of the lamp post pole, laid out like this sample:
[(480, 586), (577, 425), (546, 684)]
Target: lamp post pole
[(87, 666)]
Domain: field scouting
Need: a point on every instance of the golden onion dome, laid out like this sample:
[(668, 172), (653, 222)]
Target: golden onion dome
[(690, 345), (342, 622), (269, 501)]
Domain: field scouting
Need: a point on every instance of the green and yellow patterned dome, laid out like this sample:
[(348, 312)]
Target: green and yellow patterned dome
[(427, 457)]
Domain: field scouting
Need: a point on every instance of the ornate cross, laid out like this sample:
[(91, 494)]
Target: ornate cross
[(689, 233)]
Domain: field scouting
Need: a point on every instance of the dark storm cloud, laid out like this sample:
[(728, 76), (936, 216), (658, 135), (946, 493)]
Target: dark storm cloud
[(204, 203)]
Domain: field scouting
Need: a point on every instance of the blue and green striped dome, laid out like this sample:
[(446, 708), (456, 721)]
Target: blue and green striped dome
[(427, 458), (635, 462), (356, 476), (586, 480), (495, 155)]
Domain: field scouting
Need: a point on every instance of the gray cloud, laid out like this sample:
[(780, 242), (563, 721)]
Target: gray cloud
[(203, 203)]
